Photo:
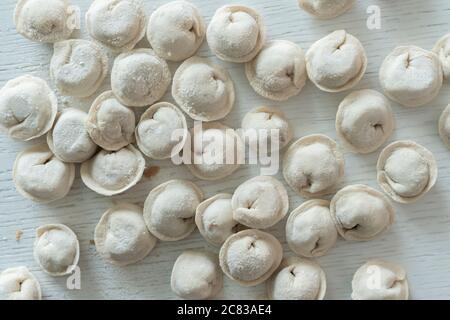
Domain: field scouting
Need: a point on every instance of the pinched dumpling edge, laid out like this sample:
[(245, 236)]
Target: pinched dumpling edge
[(441, 126), (437, 48), (14, 270), (318, 15)]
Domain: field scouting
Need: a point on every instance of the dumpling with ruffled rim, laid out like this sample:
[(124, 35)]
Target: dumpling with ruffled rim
[(442, 50)]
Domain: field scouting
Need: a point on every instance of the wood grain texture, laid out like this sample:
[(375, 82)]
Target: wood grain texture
[(418, 240)]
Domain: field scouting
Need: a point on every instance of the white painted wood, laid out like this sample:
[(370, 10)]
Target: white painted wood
[(419, 240)]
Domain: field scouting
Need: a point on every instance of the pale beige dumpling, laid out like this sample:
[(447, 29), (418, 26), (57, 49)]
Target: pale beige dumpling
[(18, 283), (442, 50), (444, 126), (326, 9)]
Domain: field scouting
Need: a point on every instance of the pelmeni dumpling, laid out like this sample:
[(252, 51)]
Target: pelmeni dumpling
[(19, 283), (278, 72), (56, 249), (313, 166), (196, 275), (28, 108), (326, 9), (380, 280), (444, 126), (406, 171), (250, 257), (113, 172), (411, 76), (364, 121), (169, 210), (176, 30), (117, 24), (310, 229), (203, 90), (361, 213), (40, 176), (260, 202), (139, 78), (442, 50), (121, 236), (236, 33), (45, 20), (297, 279), (78, 67), (110, 124)]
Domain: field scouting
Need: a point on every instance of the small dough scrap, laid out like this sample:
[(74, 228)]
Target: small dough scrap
[(326, 9), (444, 126), (18, 283), (442, 50)]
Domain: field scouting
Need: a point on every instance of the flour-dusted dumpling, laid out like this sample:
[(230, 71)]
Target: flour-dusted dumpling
[(113, 172), (336, 62), (380, 280), (56, 249), (411, 76), (442, 50), (19, 283), (176, 30), (40, 176), (313, 166), (444, 126), (278, 72), (139, 78), (121, 236), (310, 229), (117, 24), (406, 171), (169, 210), (326, 9), (203, 90), (361, 213), (28, 108), (196, 275), (364, 121), (236, 33), (45, 20), (260, 202), (297, 279)]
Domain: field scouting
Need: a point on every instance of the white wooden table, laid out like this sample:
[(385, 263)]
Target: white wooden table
[(419, 240)]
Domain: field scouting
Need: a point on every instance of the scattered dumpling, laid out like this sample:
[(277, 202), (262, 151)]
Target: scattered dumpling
[(411, 76), (442, 50), (380, 280), (40, 176), (121, 236), (364, 121), (139, 78), (176, 30), (236, 33), (56, 249), (250, 257), (278, 72), (19, 283), (361, 213), (326, 9), (444, 126), (203, 90), (28, 108), (169, 210), (406, 171), (196, 275), (313, 166)]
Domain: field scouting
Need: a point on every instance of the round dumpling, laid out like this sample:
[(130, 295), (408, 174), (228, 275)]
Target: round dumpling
[(326, 9), (19, 284), (442, 50), (444, 126)]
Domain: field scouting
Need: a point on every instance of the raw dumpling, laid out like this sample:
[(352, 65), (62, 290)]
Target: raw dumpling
[(236, 33), (336, 62), (326, 9), (196, 275), (139, 78), (380, 280), (297, 279), (364, 121), (78, 67), (121, 236), (117, 24), (28, 108), (19, 284), (406, 171), (40, 176), (278, 72), (250, 257), (442, 50), (176, 30), (313, 166), (361, 213), (411, 76), (310, 230), (260, 202), (109, 123), (56, 249), (444, 126), (203, 90), (169, 210), (113, 172)]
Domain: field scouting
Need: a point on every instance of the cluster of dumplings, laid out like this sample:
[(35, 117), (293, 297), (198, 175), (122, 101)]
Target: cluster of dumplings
[(111, 144)]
